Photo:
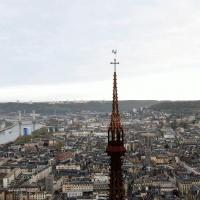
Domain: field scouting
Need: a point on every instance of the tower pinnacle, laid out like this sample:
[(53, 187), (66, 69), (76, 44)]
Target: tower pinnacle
[(115, 60), (115, 148)]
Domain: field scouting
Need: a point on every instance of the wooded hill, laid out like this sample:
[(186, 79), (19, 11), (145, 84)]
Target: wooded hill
[(66, 107), (177, 106)]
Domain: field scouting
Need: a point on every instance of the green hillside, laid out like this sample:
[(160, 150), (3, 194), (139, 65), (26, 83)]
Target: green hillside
[(177, 106), (65, 107)]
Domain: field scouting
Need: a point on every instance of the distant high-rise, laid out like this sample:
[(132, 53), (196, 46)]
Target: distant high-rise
[(115, 148)]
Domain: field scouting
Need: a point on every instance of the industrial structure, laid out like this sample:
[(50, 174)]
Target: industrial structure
[(27, 130), (20, 123), (115, 148), (33, 119)]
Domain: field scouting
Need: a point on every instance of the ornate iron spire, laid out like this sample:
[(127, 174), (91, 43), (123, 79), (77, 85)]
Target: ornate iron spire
[(115, 148), (115, 117)]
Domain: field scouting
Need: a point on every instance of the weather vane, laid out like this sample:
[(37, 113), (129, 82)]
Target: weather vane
[(114, 51)]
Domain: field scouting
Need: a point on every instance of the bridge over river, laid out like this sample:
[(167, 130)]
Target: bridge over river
[(11, 134)]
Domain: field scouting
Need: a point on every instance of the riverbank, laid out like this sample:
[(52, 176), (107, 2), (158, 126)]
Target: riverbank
[(11, 134), (35, 135), (7, 128)]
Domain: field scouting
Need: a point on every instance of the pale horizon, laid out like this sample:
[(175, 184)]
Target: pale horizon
[(61, 50)]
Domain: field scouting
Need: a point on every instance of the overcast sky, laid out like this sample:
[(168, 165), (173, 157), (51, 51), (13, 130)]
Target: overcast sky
[(61, 49)]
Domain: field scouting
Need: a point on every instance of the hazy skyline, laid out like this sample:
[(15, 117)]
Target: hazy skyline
[(61, 49)]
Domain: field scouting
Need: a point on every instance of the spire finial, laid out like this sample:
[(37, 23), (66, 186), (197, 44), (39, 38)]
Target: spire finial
[(114, 51), (115, 148)]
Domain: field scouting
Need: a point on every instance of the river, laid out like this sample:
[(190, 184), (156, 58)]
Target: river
[(10, 135)]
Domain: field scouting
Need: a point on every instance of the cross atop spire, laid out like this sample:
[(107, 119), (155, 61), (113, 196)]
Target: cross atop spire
[(115, 118), (115, 60), (115, 148)]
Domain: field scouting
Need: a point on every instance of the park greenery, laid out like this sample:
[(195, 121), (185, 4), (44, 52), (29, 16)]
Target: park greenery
[(38, 134)]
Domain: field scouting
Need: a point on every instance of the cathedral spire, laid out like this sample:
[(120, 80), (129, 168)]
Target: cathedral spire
[(115, 118), (115, 148)]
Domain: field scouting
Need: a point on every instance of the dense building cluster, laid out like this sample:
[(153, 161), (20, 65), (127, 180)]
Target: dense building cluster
[(67, 159)]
